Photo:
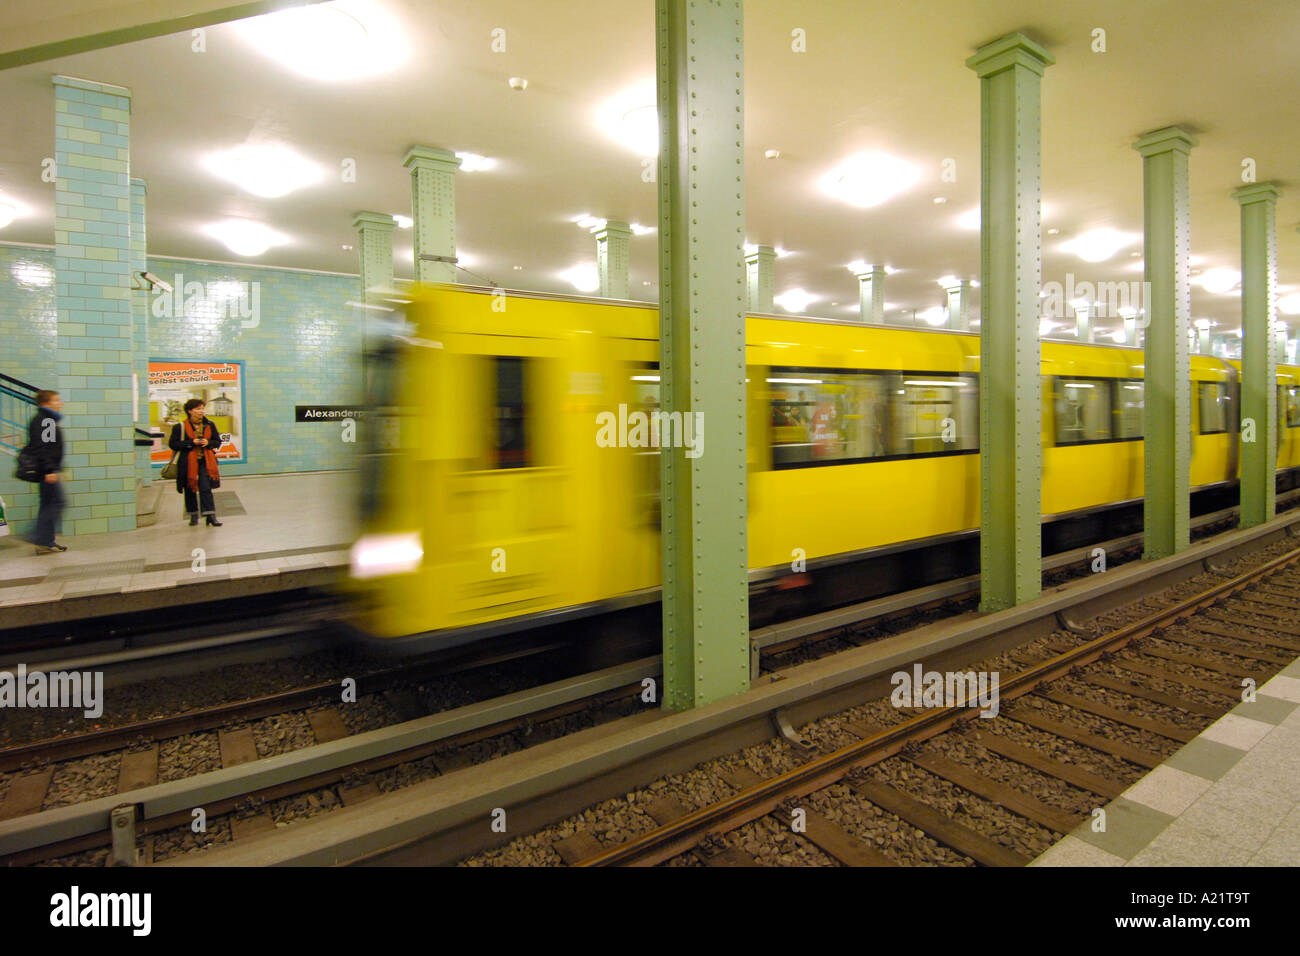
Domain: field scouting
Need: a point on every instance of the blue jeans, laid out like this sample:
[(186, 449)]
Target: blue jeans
[(203, 500), (51, 510)]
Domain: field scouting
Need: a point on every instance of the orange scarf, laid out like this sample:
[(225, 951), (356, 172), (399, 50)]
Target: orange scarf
[(209, 457)]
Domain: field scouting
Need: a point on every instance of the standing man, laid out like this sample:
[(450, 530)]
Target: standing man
[(45, 439)]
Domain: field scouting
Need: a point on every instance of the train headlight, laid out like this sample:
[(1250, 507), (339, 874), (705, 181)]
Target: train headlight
[(379, 554)]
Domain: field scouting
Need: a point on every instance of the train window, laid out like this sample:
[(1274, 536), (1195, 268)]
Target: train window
[(1291, 406), (933, 414), (643, 390), (510, 448), (824, 417), (1129, 395), (1213, 400), (1083, 411)]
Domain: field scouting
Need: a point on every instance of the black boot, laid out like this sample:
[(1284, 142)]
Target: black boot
[(213, 522), (194, 520)]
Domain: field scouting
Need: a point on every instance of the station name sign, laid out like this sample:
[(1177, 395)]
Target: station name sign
[(326, 413)]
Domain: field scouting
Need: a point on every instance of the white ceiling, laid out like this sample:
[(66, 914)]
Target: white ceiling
[(884, 75)]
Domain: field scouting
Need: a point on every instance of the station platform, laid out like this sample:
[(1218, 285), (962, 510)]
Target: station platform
[(278, 532), (1231, 797)]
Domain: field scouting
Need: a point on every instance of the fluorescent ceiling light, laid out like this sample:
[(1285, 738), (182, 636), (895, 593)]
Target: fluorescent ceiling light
[(583, 277), (474, 163), (403, 222), (264, 169), (934, 383), (1219, 281), (1098, 245), (632, 118), (1289, 304), (330, 42), (795, 381), (935, 315), (794, 300), (869, 179), (244, 237)]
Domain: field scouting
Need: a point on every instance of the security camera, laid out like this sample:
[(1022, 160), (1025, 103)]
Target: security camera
[(155, 282)]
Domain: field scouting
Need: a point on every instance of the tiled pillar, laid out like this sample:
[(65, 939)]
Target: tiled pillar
[(871, 295), (612, 258), (433, 209), (760, 279), (1167, 397), (1258, 358), (1083, 323), (140, 318), (375, 250), (92, 273)]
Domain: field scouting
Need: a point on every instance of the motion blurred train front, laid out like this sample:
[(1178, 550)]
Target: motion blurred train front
[(494, 497)]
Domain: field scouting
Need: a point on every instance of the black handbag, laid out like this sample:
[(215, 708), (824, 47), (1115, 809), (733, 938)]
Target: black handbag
[(29, 468)]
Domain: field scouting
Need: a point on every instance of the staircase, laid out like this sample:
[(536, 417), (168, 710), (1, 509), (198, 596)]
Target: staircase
[(17, 406)]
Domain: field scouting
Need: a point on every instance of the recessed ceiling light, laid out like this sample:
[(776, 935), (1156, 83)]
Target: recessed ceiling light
[(940, 200), (517, 268), (1289, 304), (640, 230), (589, 222), (1219, 281), (264, 169), (858, 267), (347, 248), (869, 179), (1053, 232), (518, 83), (948, 281), (1098, 245), (244, 237), (645, 281), (464, 260), (1136, 253), (890, 270), (7, 213), (331, 42), (583, 277), (772, 154), (474, 163), (935, 315), (794, 300), (782, 253), (631, 117), (403, 222)]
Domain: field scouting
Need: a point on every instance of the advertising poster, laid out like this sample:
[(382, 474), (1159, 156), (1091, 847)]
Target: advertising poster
[(220, 384)]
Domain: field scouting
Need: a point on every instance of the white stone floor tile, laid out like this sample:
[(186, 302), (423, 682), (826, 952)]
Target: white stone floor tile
[(1236, 731), (1075, 852), (1168, 790), (1288, 688)]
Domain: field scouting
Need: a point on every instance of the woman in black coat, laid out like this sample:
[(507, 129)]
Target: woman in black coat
[(197, 440)]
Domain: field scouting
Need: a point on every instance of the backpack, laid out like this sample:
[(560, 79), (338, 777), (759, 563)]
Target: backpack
[(28, 468)]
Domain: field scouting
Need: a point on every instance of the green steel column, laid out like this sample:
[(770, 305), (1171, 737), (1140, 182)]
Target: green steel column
[(760, 279), (375, 250), (1011, 454), (1167, 404), (1083, 323), (959, 305), (702, 347), (144, 469), (1258, 357), (433, 209), (612, 258), (871, 295)]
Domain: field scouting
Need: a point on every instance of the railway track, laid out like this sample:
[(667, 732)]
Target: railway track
[(1173, 662)]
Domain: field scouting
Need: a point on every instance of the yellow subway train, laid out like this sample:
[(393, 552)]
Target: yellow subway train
[(508, 480)]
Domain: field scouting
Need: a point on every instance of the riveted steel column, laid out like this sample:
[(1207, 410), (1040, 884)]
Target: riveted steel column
[(1011, 455), (959, 306), (375, 250), (1083, 323), (871, 295), (702, 347), (1258, 356), (1167, 404), (612, 258), (433, 209), (760, 279)]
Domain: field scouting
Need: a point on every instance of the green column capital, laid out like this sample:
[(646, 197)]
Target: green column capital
[(373, 220), (431, 157), (1164, 140), (1012, 50), (612, 229), (1268, 192)]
